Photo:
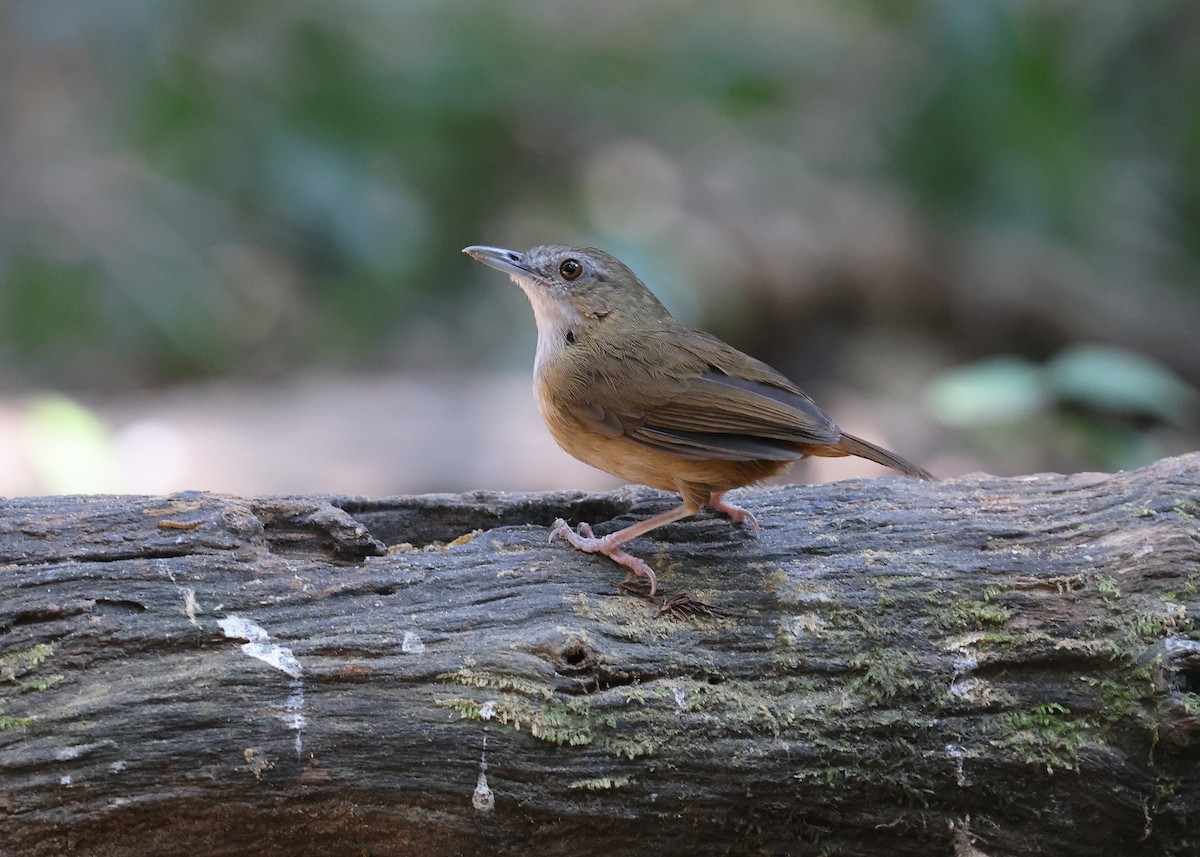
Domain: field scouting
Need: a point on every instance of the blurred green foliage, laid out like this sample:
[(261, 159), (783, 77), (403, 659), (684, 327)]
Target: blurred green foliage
[(1030, 109), (1101, 401), (240, 187)]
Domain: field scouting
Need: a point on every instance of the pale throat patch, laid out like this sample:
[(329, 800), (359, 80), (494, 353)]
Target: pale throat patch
[(554, 318)]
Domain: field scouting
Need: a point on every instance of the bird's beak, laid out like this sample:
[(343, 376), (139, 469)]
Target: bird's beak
[(508, 261)]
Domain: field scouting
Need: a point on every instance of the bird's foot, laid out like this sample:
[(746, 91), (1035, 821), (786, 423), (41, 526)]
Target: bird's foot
[(736, 513), (587, 542)]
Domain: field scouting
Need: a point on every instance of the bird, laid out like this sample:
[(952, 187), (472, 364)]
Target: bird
[(624, 387)]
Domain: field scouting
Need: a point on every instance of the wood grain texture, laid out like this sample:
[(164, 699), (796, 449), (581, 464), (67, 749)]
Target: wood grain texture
[(1005, 665)]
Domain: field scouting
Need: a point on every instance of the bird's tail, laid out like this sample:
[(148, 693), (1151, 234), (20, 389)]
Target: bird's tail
[(851, 445)]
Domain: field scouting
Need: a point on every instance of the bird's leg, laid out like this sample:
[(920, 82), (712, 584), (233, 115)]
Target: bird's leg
[(610, 545), (736, 513)]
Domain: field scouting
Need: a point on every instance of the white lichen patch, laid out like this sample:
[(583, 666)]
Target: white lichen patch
[(293, 714), (957, 754), (189, 605), (965, 689), (64, 754), (412, 644), (964, 663), (258, 645), (483, 798)]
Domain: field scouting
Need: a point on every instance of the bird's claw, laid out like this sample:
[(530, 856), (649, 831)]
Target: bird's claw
[(736, 513), (587, 542)]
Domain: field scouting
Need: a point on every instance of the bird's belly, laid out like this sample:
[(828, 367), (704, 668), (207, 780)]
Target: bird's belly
[(636, 462), (619, 456)]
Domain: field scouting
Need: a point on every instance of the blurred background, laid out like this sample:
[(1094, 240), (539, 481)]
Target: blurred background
[(230, 232)]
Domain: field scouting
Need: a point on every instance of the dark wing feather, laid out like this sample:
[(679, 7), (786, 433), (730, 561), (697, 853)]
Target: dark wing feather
[(709, 445), (708, 402)]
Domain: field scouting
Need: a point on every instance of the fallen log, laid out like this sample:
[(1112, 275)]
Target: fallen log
[(973, 666)]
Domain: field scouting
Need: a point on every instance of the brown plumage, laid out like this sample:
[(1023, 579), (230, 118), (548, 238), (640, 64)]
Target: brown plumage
[(625, 388)]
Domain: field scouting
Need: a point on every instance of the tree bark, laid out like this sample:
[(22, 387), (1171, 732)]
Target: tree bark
[(972, 666)]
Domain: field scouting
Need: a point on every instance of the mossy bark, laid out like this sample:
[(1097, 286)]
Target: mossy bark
[(977, 665)]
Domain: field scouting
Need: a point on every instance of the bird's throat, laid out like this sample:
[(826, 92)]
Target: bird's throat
[(555, 319)]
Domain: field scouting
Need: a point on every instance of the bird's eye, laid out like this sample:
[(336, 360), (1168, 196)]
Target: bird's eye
[(570, 269)]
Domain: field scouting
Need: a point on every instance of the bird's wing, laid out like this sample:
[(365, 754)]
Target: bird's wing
[(710, 401)]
